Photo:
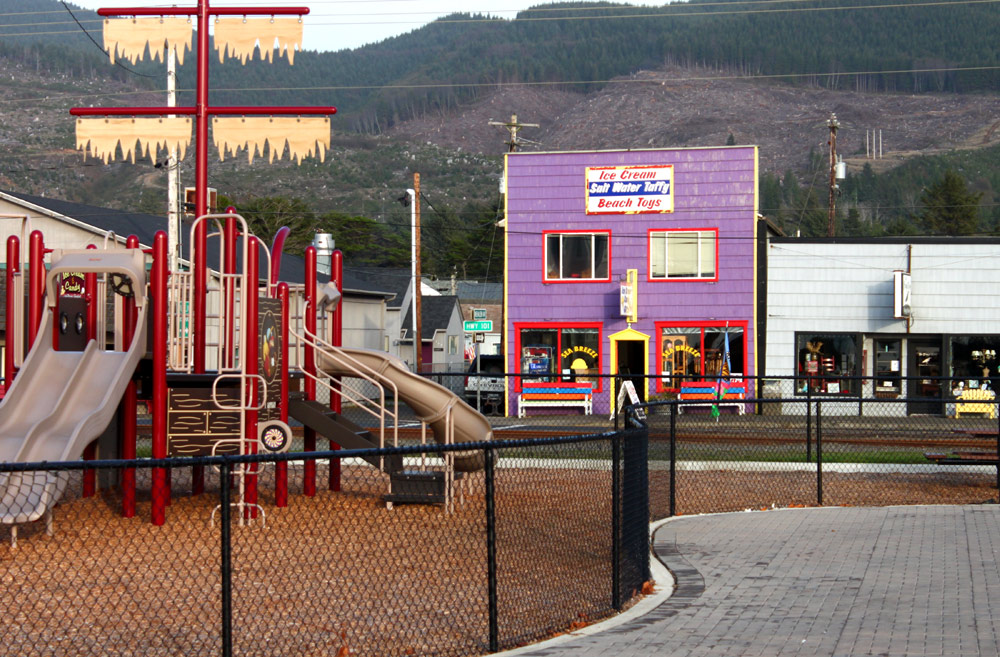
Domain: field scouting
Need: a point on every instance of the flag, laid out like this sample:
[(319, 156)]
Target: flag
[(721, 383)]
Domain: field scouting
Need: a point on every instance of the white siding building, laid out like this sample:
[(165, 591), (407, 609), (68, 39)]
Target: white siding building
[(832, 315)]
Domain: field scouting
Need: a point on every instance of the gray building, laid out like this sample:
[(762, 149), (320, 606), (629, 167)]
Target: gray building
[(903, 311)]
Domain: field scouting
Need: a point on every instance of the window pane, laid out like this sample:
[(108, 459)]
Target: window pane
[(823, 360), (658, 255), (680, 354), (708, 255), (577, 256), (682, 251), (552, 256), (537, 349), (580, 356), (715, 348), (974, 358), (600, 256)]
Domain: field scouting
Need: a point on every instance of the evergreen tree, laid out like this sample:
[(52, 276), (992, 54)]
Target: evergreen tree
[(730, 140), (949, 207)]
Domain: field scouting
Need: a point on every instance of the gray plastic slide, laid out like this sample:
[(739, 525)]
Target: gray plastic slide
[(62, 400), (429, 400)]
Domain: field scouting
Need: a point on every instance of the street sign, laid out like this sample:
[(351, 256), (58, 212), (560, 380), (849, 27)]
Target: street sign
[(478, 313), (480, 337), (485, 326)]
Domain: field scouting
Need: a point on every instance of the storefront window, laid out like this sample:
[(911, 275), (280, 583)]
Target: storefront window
[(974, 362), (691, 353), (563, 354), (826, 363)]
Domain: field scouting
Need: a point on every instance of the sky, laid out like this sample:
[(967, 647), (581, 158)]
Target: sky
[(339, 24)]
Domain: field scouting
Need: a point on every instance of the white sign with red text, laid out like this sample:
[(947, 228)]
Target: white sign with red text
[(630, 190)]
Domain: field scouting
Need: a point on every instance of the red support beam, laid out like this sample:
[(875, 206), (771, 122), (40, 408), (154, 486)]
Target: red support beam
[(281, 468), (36, 284), (226, 110), (160, 491), (309, 366), (336, 339), (127, 410), (195, 11), (250, 367), (90, 451), (12, 331)]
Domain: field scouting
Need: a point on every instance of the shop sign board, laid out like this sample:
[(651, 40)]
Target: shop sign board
[(484, 326), (630, 189)]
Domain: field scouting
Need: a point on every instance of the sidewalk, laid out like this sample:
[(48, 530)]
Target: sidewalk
[(921, 580)]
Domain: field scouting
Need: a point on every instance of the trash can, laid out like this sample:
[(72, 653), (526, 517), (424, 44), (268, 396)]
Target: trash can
[(770, 389)]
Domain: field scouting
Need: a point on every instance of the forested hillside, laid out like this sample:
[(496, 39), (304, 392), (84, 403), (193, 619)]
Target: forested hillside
[(687, 74), (457, 58)]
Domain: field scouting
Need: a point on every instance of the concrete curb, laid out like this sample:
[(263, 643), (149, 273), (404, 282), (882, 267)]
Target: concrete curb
[(663, 590)]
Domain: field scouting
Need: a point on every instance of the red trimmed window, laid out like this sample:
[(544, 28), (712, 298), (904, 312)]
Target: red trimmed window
[(559, 352), (684, 255), (576, 256), (692, 351)]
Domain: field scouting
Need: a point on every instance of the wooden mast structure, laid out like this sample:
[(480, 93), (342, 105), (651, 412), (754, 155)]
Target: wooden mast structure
[(104, 140)]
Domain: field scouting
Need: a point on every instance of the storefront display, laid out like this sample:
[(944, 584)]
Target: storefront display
[(567, 353), (827, 363), (692, 353), (974, 362)]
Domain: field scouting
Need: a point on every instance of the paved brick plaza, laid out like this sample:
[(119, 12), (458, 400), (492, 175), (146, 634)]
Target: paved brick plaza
[(828, 581)]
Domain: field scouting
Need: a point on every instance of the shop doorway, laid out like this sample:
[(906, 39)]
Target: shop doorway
[(631, 365), (923, 377)]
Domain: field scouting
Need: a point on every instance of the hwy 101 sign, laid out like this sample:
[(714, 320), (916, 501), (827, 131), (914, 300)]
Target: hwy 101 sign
[(484, 326)]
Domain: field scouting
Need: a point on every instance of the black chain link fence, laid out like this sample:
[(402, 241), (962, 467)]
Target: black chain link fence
[(551, 534), (799, 440)]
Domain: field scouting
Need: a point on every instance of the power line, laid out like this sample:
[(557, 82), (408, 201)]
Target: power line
[(459, 85), (99, 46)]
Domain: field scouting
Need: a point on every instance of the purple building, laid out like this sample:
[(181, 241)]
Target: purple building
[(631, 262)]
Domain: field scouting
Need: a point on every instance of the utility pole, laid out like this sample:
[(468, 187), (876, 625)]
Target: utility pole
[(833, 124), (418, 343), (512, 127)]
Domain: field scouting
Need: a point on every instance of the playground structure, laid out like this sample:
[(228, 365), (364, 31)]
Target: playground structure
[(76, 380)]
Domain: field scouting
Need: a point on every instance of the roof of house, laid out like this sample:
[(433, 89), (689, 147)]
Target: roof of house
[(145, 226), (394, 281), (435, 314), (471, 291)]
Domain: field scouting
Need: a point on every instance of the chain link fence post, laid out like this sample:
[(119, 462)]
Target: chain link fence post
[(819, 453), (489, 458), (616, 521), (225, 560), (673, 459)]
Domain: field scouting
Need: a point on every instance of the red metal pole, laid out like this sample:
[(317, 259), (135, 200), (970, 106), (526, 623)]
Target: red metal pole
[(90, 294), (36, 284), (309, 366), (127, 410), (281, 468), (337, 329), (13, 331), (229, 267), (251, 330), (90, 451), (277, 248), (159, 299), (198, 306)]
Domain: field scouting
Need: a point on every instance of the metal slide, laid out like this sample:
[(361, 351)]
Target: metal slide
[(62, 400), (432, 402)]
